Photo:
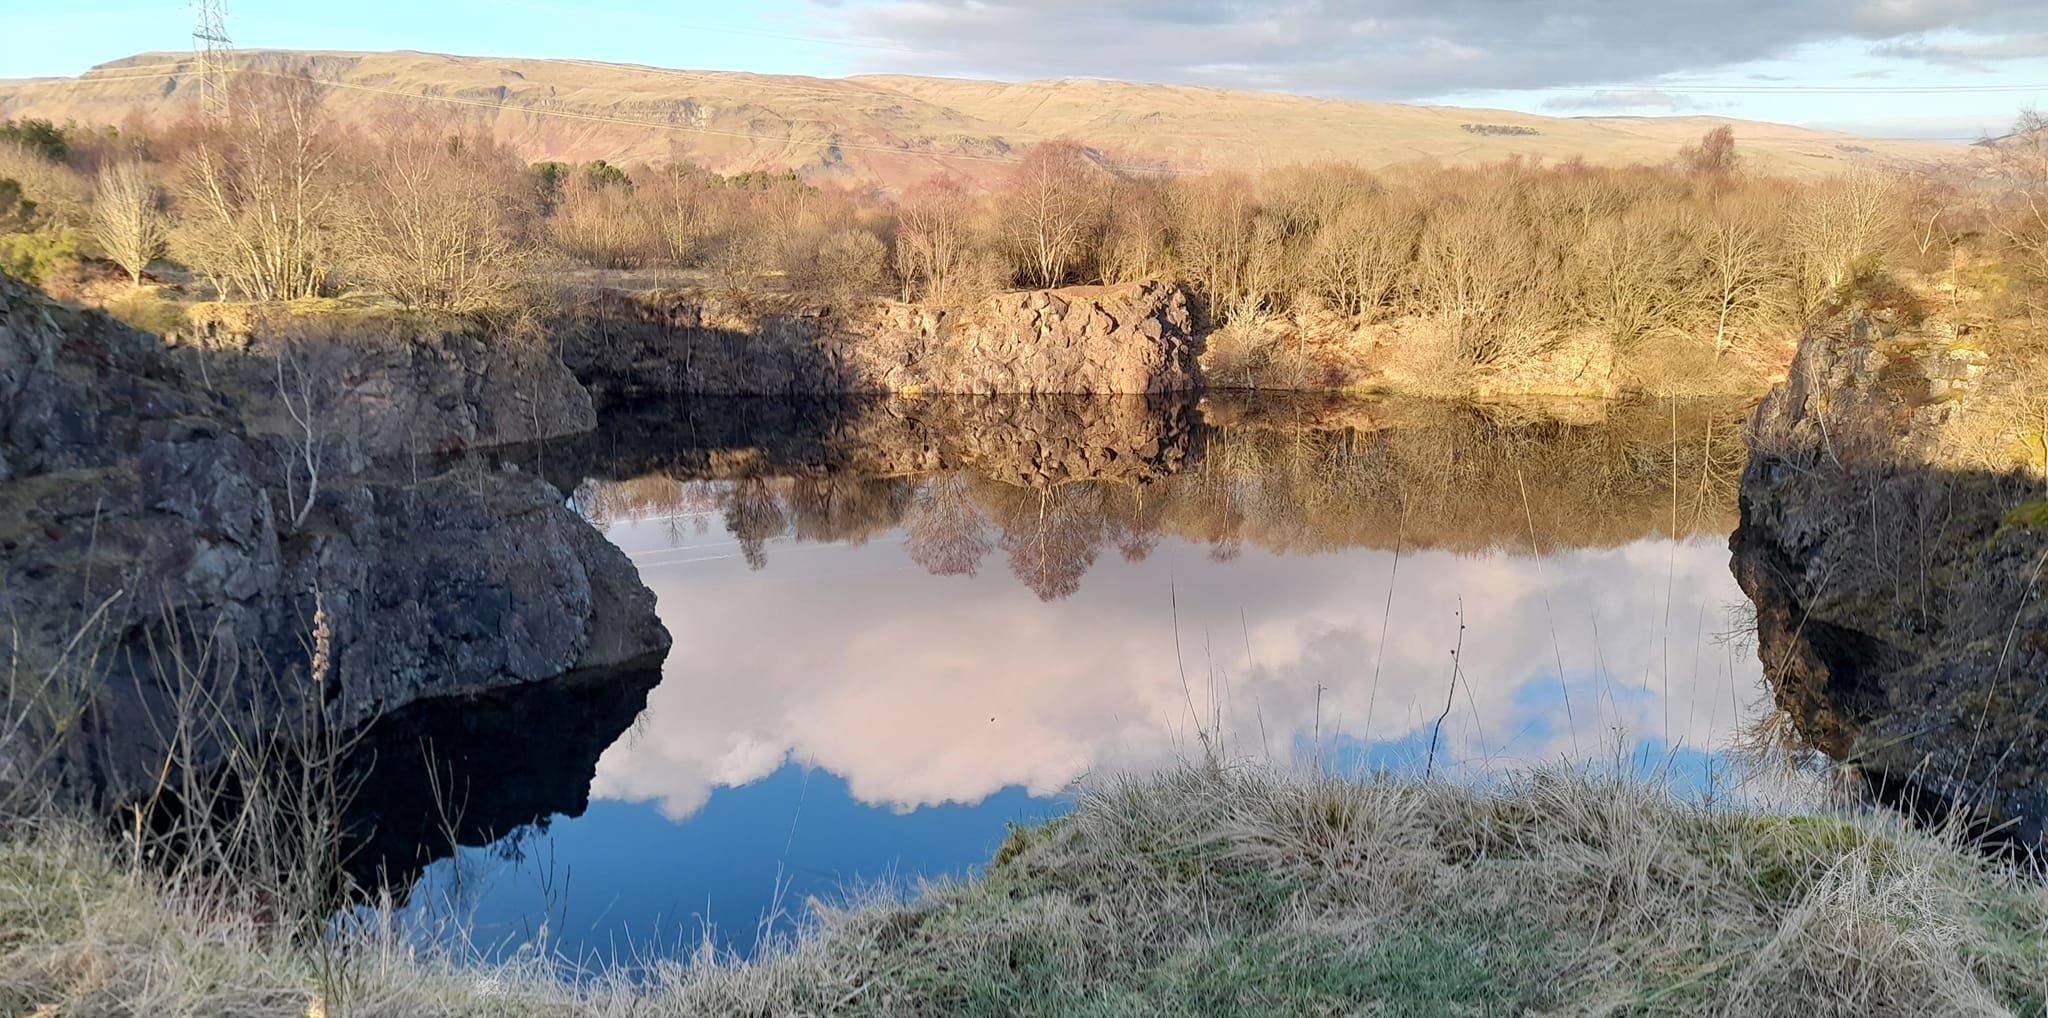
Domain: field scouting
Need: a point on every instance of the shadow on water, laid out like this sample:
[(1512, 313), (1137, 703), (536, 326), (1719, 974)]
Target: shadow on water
[(467, 771)]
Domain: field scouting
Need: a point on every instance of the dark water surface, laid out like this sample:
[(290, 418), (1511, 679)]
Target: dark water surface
[(902, 625)]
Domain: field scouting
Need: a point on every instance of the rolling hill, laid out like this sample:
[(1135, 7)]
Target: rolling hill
[(892, 130)]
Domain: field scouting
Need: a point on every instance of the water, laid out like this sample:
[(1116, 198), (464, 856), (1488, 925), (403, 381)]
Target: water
[(901, 626)]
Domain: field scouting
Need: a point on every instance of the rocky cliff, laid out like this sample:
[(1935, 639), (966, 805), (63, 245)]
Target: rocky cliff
[(1131, 339), (1895, 557), (384, 390), (152, 569)]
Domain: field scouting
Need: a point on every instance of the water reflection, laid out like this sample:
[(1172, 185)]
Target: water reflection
[(1286, 475), (885, 608)]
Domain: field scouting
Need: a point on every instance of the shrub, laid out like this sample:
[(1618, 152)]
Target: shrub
[(39, 136), (41, 256)]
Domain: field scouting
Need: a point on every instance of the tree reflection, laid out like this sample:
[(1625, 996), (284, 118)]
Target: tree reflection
[(944, 532), (753, 515), (1307, 478), (846, 507), (1050, 552)]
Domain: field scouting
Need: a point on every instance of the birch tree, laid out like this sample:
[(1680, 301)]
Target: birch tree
[(128, 218)]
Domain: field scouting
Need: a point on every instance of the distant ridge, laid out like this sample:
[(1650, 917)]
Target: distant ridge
[(892, 130)]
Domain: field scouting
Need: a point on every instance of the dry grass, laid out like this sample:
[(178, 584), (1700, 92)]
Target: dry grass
[(1207, 890), (898, 130)]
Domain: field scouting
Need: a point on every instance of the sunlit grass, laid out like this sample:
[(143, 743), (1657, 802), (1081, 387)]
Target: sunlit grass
[(1203, 890)]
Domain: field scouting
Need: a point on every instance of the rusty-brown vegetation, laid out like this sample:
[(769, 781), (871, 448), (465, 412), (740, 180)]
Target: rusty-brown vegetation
[(1680, 268)]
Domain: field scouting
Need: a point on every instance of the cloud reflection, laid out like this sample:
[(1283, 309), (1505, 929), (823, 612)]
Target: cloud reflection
[(919, 688)]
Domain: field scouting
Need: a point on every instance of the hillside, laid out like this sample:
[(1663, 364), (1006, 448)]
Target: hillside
[(893, 130)]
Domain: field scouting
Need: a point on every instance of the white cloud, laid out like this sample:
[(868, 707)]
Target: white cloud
[(1613, 99), (1390, 48)]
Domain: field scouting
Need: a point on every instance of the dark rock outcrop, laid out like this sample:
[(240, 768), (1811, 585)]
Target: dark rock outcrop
[(1021, 440), (1131, 339), (1897, 577), (404, 392), (148, 564)]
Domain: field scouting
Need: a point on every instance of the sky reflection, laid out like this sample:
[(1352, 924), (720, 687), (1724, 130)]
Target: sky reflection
[(875, 670), (921, 689)]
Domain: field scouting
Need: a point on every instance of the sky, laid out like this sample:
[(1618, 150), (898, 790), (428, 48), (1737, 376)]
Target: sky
[(1953, 69)]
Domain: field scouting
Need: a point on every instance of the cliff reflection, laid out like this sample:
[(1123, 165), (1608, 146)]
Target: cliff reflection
[(1052, 484), (935, 614)]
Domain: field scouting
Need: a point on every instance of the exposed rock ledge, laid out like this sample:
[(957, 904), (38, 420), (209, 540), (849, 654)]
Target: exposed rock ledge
[(1896, 575), (393, 390), (1101, 340), (142, 526)]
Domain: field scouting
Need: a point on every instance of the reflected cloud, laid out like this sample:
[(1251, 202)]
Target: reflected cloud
[(940, 599), (922, 689)]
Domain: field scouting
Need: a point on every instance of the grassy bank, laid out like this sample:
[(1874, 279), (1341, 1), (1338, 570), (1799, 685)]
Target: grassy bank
[(1203, 891)]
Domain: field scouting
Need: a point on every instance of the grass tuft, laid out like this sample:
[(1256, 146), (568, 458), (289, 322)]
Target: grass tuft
[(1204, 890)]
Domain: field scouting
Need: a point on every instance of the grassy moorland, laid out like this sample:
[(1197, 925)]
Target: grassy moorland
[(1206, 890)]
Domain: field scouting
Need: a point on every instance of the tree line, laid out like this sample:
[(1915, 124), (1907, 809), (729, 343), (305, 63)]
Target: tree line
[(281, 202)]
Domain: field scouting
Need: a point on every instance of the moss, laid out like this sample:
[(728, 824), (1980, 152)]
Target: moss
[(2032, 515), (151, 314)]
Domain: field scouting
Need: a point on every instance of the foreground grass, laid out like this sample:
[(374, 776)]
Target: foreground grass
[(1203, 891)]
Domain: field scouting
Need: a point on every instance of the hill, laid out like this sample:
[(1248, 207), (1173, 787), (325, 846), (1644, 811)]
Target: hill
[(893, 130)]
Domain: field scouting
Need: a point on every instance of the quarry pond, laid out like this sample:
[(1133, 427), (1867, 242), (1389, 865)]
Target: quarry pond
[(902, 625)]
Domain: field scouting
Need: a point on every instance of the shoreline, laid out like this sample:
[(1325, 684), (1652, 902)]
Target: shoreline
[(1207, 889)]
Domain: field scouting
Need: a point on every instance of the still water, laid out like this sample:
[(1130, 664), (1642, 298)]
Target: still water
[(901, 626)]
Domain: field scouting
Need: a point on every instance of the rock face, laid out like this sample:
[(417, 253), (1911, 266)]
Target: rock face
[(147, 557), (1019, 440), (1897, 576), (387, 397), (1132, 339)]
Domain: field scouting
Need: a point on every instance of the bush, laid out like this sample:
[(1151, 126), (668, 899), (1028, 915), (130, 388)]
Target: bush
[(41, 256), (39, 136), (848, 263)]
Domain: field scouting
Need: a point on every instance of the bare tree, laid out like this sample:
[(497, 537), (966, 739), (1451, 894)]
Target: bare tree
[(1838, 224), (599, 221), (1053, 208), (1216, 232), (128, 217), (684, 203), (1478, 271), (1715, 154), (2022, 158), (1361, 256), (260, 191), (1740, 269), (435, 219), (935, 230)]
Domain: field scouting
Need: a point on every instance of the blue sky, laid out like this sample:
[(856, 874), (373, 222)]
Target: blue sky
[(1922, 68)]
